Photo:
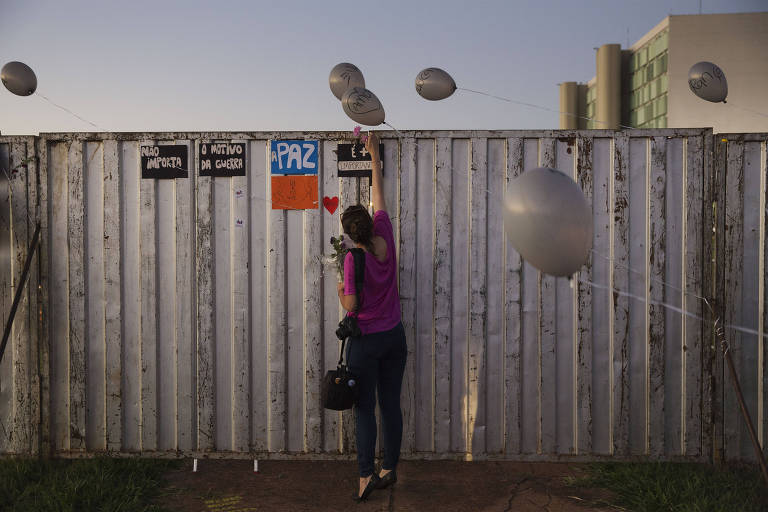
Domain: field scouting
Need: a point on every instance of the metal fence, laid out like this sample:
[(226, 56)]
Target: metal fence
[(188, 316), (21, 369), (741, 164)]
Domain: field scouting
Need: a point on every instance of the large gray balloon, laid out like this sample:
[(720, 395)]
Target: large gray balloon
[(362, 106), (434, 84), (18, 78), (343, 76), (707, 81), (548, 221)]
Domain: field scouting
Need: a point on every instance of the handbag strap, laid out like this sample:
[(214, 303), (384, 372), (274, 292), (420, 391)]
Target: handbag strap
[(358, 259), (341, 354)]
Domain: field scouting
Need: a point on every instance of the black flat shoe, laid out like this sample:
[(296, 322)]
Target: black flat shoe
[(372, 484), (387, 480)]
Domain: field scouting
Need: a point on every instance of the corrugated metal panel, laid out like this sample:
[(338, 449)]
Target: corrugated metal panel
[(741, 285), (175, 327), (19, 376)]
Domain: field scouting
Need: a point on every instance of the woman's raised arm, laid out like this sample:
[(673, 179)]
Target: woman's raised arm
[(377, 191)]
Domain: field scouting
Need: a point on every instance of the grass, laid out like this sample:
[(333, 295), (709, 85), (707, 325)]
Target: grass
[(678, 487), (103, 484)]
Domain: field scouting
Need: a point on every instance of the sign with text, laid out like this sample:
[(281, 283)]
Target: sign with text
[(294, 192), (294, 157), (222, 159), (164, 162), (354, 161)]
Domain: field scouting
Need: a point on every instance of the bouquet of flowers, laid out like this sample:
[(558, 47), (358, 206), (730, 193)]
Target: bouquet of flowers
[(336, 259)]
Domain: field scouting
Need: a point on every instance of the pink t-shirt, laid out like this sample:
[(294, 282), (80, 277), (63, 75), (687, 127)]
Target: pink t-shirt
[(380, 299)]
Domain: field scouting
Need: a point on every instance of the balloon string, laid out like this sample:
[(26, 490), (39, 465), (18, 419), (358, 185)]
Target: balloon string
[(638, 272), (69, 111), (399, 134), (539, 107), (748, 109), (745, 330), (742, 329)]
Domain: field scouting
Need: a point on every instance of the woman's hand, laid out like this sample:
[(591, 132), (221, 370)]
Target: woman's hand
[(372, 145)]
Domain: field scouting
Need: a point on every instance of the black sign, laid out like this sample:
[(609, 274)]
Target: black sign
[(164, 162), (222, 159), (354, 161)]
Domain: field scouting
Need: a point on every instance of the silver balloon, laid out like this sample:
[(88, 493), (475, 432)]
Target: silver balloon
[(18, 78), (434, 84), (548, 221), (343, 76), (362, 106), (707, 81)]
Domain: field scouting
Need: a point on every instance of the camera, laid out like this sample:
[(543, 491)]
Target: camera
[(348, 328)]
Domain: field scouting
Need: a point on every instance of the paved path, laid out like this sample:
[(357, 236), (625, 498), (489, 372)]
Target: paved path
[(231, 486)]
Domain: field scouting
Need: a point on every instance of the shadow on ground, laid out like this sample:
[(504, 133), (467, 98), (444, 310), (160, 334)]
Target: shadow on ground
[(232, 486)]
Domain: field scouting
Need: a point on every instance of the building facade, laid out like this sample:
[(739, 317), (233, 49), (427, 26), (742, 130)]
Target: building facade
[(650, 88)]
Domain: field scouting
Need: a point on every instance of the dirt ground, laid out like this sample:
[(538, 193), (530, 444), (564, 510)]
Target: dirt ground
[(232, 486)]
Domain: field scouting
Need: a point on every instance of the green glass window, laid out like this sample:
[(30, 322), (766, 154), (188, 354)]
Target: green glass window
[(664, 39), (649, 83), (653, 49)]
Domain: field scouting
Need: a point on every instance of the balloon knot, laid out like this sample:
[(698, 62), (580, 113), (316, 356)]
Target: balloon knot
[(725, 101)]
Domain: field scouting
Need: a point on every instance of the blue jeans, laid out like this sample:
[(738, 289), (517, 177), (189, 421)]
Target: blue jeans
[(378, 361)]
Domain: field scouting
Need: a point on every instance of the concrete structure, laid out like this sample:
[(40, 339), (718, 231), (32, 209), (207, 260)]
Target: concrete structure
[(572, 105), (608, 86), (653, 77)]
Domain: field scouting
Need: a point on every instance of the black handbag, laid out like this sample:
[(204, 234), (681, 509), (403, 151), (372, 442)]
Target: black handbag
[(339, 389)]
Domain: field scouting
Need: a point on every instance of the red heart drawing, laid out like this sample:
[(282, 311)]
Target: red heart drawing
[(331, 203)]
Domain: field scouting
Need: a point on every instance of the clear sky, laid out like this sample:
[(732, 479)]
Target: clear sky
[(138, 65)]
